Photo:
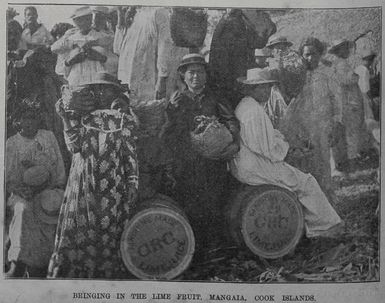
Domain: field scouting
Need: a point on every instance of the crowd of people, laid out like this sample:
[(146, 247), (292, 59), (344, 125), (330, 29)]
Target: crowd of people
[(76, 153)]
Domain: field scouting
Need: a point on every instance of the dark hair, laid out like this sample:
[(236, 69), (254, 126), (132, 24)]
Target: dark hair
[(182, 70), (311, 41), (59, 29), (31, 8)]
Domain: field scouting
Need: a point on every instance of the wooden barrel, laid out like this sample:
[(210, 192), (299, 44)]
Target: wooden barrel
[(267, 219), (158, 242)]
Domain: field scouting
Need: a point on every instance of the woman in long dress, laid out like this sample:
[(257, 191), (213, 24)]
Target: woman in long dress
[(101, 189), (313, 120)]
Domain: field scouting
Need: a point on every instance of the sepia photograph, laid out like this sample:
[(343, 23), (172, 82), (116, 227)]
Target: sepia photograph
[(196, 146)]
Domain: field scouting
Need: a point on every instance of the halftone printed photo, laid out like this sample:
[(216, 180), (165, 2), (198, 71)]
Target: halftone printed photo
[(192, 144)]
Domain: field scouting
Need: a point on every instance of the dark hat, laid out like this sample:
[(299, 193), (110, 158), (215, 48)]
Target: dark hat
[(368, 54), (105, 78), (81, 11), (256, 76), (278, 40), (192, 59), (337, 44)]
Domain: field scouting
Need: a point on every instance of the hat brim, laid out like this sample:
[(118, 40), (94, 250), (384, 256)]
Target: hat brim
[(103, 82), (44, 217), (334, 48), (371, 56), (39, 212), (243, 80), (190, 63), (270, 45), (81, 15)]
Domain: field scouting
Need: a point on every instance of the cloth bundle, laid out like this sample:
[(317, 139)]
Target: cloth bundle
[(210, 137), (188, 27)]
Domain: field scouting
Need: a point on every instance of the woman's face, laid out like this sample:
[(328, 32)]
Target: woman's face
[(195, 76), (30, 17), (83, 23), (311, 56), (29, 127)]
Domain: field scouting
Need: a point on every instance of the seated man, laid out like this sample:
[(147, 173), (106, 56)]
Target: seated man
[(262, 153)]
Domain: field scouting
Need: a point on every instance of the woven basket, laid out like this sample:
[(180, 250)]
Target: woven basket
[(151, 114), (212, 141), (188, 27)]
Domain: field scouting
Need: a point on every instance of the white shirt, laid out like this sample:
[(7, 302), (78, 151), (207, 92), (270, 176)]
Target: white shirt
[(364, 77)]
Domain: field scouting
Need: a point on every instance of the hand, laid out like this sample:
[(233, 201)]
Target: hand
[(60, 109), (23, 191), (229, 152), (160, 88), (90, 43), (132, 193)]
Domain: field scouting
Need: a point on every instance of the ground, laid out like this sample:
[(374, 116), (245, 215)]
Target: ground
[(354, 256)]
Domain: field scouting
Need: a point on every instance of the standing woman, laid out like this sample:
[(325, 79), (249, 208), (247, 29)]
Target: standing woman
[(102, 186), (200, 181), (349, 148), (314, 118), (34, 34)]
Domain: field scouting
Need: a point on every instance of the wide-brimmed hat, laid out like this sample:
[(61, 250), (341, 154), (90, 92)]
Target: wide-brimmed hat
[(192, 59), (368, 54), (105, 78), (257, 76), (81, 11), (262, 52), (278, 40), (337, 44), (46, 205)]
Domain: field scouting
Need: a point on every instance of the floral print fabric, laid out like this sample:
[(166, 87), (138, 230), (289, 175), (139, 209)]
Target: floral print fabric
[(96, 205)]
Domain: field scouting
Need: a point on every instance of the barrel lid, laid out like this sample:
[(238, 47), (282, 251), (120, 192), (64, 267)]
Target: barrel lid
[(272, 223), (157, 243)]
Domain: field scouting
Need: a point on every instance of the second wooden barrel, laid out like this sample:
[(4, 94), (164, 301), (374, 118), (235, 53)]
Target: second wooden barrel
[(267, 219), (158, 242)]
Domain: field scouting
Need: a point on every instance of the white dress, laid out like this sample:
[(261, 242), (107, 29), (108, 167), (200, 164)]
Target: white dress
[(146, 51), (85, 71), (261, 161)]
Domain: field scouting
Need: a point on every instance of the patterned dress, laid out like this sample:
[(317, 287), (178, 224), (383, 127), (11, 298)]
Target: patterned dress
[(96, 204)]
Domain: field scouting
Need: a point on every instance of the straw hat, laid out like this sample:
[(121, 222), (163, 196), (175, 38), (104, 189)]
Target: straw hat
[(278, 40), (81, 11), (46, 205), (262, 52), (192, 59), (257, 76), (104, 77)]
